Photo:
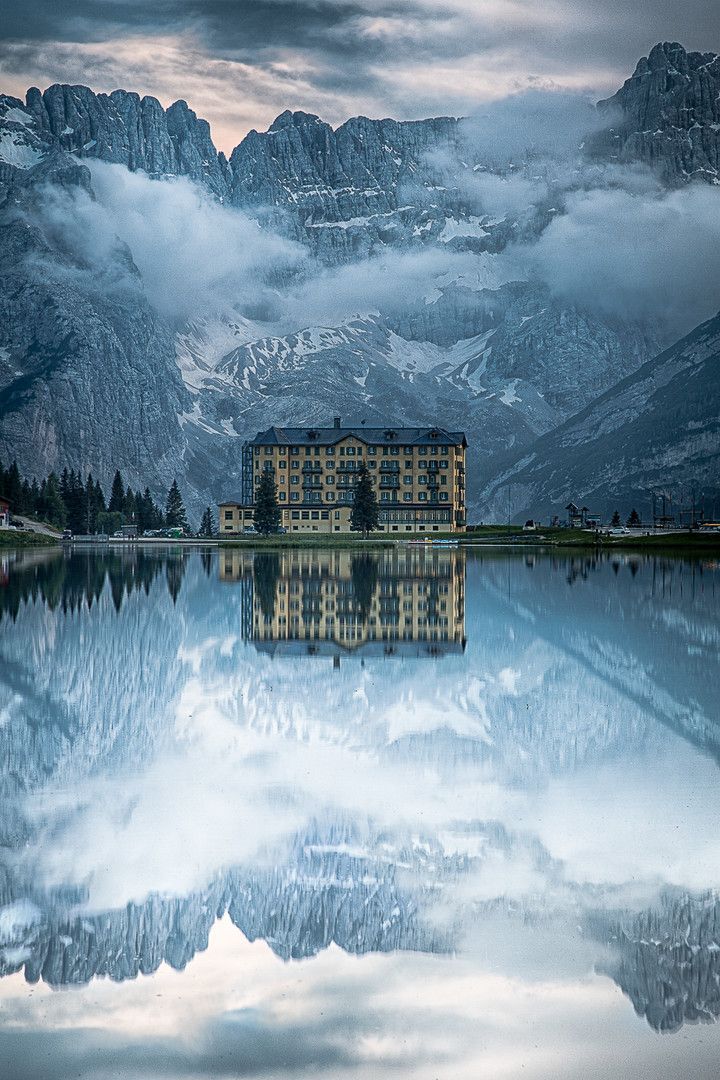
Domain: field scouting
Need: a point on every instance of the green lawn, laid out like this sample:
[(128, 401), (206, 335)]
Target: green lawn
[(9, 539)]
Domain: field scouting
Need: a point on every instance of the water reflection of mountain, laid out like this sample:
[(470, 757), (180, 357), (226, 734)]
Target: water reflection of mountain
[(569, 666), (403, 601), (654, 636)]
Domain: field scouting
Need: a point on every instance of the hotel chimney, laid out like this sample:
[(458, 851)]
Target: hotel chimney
[(336, 420)]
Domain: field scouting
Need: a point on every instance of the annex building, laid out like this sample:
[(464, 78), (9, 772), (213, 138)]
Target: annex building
[(418, 474)]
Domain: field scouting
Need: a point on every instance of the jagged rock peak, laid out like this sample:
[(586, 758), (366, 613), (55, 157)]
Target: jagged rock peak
[(670, 114), (294, 119), (126, 129), (672, 56)]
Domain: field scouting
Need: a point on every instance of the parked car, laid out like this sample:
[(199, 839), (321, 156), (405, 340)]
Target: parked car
[(619, 530), (250, 530)]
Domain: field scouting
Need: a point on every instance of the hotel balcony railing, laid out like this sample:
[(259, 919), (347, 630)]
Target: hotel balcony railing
[(313, 483), (309, 467), (389, 481), (349, 466), (390, 466)]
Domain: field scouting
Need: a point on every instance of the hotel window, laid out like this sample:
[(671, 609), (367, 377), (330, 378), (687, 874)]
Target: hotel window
[(294, 496), (306, 515), (422, 496), (407, 496), (444, 464), (330, 496), (407, 450), (330, 478), (228, 515), (443, 496), (268, 451), (395, 450), (433, 449), (282, 450), (350, 451), (330, 450), (295, 450), (257, 451), (407, 480), (282, 496), (422, 479), (408, 464), (294, 464), (295, 515), (372, 464), (282, 464), (337, 515), (294, 479), (315, 515)]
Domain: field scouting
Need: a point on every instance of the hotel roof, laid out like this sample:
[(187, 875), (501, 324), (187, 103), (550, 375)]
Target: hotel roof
[(381, 436)]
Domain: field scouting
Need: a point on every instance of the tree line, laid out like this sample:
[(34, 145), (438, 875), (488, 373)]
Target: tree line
[(70, 502)]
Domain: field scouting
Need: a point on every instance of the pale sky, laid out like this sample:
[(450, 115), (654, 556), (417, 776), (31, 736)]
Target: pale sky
[(239, 63)]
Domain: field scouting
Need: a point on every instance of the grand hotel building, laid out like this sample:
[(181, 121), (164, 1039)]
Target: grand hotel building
[(418, 473)]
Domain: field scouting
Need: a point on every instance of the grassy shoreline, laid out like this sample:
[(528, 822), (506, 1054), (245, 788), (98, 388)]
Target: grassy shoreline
[(505, 537), (10, 540)]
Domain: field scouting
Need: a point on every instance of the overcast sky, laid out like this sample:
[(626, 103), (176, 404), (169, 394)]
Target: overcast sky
[(241, 62)]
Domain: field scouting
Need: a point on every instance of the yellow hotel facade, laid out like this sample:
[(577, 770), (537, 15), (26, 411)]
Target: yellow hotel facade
[(418, 475)]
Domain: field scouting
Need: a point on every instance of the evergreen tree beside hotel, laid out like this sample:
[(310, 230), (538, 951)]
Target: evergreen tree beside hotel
[(416, 475)]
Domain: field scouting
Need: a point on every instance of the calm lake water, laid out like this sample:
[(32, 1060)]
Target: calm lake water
[(416, 814)]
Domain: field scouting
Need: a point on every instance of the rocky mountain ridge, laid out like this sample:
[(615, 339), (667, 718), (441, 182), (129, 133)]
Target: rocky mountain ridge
[(507, 360), (660, 422)]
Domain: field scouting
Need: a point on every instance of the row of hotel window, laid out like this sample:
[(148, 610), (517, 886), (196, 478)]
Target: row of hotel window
[(348, 496), (443, 463), (303, 633), (385, 515), (387, 588), (423, 478), (352, 451)]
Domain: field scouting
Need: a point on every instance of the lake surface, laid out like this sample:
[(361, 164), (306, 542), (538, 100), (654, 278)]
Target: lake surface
[(415, 814)]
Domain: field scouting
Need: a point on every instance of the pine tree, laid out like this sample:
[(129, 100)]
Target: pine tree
[(634, 519), (207, 525), (175, 515), (364, 575), (117, 495), (130, 507), (13, 487), (52, 507), (616, 518), (365, 514), (267, 511)]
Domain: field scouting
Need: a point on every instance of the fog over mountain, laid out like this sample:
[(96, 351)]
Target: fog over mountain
[(161, 302)]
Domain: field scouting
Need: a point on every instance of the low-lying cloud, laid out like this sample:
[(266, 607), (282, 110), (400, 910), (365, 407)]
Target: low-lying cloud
[(640, 256)]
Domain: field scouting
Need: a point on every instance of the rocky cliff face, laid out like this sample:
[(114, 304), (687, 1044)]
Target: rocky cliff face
[(669, 962), (670, 114), (88, 376), (120, 127), (659, 423)]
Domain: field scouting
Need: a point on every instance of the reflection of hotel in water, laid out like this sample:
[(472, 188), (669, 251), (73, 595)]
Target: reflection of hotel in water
[(404, 602)]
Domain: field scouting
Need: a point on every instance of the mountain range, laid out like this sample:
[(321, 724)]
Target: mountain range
[(398, 283)]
